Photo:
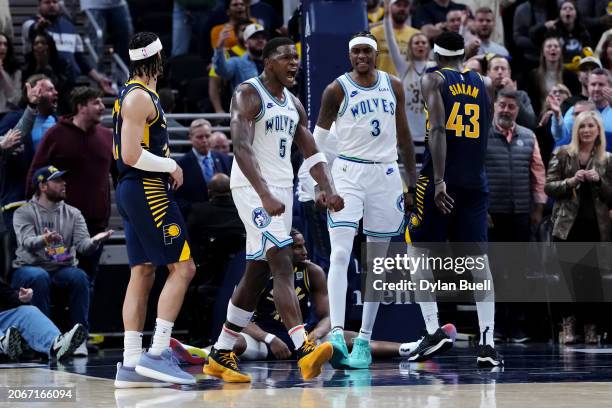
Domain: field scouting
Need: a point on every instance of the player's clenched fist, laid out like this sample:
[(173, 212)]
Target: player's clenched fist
[(272, 205)]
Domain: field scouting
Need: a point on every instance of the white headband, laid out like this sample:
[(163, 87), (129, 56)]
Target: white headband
[(363, 41), (447, 53), (146, 52)]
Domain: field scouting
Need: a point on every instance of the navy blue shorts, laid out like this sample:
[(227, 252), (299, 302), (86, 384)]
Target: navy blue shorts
[(155, 230), (466, 223)]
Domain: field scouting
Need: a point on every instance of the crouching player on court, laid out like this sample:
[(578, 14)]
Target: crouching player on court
[(155, 231)]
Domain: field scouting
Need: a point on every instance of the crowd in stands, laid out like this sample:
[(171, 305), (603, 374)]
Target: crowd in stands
[(548, 162)]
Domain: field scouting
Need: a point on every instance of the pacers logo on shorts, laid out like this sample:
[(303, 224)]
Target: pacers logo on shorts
[(171, 231), (261, 219)]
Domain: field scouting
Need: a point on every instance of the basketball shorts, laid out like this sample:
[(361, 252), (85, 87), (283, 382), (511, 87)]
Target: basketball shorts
[(155, 230), (466, 223), (372, 191), (262, 231)]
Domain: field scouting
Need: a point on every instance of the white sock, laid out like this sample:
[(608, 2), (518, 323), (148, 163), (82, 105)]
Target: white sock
[(368, 317), (486, 321), (237, 317), (161, 337), (338, 330), (406, 348), (341, 239), (430, 315), (132, 348), (227, 339), (297, 335)]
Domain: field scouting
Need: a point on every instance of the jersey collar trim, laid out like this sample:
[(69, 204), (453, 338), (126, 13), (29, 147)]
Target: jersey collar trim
[(363, 88)]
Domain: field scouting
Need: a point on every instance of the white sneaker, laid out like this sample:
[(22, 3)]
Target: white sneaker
[(81, 351), (69, 343)]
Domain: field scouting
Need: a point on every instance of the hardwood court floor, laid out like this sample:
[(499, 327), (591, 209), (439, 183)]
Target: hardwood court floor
[(534, 376)]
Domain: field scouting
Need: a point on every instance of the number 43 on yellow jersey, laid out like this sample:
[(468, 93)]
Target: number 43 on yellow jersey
[(455, 120)]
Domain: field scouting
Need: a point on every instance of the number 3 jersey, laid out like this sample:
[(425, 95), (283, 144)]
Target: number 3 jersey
[(275, 127), (468, 119), (366, 120)]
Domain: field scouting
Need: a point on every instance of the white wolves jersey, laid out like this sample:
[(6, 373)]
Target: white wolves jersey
[(275, 126), (366, 121)]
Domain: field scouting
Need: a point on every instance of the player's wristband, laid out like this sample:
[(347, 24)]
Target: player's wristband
[(411, 190), (269, 338), (439, 181)]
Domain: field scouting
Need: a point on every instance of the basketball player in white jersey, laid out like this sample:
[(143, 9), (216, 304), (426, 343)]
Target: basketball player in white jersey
[(367, 106), (265, 119)]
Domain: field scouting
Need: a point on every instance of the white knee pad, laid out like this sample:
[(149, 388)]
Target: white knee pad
[(255, 350)]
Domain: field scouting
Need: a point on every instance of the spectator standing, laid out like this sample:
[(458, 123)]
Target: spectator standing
[(398, 12), (605, 54), (599, 95), (188, 21), (596, 16), (586, 66), (375, 11), (555, 100), (199, 166), (501, 76), (430, 17), (44, 59), (549, 73), (82, 147), (570, 30), (410, 67), (18, 149), (113, 17), (10, 76), (484, 27), (526, 16), (49, 235), (24, 325), (67, 40), (6, 20), (237, 10), (250, 65)]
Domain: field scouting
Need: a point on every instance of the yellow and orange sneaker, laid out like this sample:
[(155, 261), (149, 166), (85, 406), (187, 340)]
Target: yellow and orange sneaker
[(312, 357), (223, 364)]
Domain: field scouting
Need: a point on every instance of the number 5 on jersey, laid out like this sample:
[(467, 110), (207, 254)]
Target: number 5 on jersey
[(455, 120), (282, 148)]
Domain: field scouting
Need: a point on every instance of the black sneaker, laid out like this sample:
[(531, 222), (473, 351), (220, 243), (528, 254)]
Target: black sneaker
[(12, 344), (223, 364), (487, 356), (431, 345)]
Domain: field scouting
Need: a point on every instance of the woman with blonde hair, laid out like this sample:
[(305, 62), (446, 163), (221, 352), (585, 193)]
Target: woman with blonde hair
[(549, 73), (410, 70), (580, 180)]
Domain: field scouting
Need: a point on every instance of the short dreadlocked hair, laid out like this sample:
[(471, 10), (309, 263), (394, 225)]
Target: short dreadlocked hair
[(150, 67)]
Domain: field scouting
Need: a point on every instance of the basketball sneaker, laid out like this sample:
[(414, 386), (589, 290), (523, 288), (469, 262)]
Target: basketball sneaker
[(361, 355), (127, 377), (66, 344), (487, 356), (340, 356), (164, 368), (431, 345), (312, 357), (12, 344), (223, 364), (187, 354)]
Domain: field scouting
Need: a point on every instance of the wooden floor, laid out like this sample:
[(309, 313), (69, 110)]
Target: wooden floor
[(534, 376)]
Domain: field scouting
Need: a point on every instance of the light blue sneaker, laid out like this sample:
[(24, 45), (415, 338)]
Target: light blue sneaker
[(361, 355), (127, 377), (340, 357), (164, 368)]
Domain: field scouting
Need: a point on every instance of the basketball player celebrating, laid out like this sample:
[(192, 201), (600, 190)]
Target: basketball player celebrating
[(265, 119), (451, 203), (155, 231), (367, 106)]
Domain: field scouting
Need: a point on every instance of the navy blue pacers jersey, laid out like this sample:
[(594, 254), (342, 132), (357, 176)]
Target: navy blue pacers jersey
[(154, 139), (267, 317), (468, 118), (155, 230)]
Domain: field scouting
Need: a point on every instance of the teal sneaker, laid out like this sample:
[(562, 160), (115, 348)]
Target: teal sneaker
[(361, 356), (340, 358)]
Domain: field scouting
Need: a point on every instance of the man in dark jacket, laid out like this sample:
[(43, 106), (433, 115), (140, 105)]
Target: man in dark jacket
[(199, 165)]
